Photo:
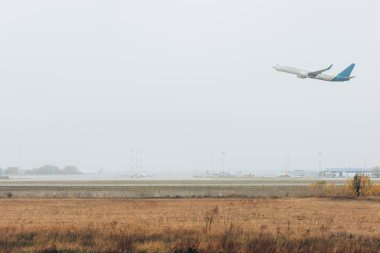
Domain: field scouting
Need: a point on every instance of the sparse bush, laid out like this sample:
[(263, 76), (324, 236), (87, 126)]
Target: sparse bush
[(87, 238), (360, 185), (324, 189), (376, 190), (319, 188), (49, 250), (25, 239), (125, 242), (230, 239), (188, 244)]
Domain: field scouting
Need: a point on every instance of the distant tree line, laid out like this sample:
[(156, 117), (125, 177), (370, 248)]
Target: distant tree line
[(53, 170)]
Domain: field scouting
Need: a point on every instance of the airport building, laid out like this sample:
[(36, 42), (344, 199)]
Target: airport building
[(346, 172), (300, 173), (334, 172)]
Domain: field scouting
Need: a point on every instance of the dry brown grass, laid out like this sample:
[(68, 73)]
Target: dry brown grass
[(190, 225)]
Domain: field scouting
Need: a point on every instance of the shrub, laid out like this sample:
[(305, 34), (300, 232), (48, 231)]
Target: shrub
[(125, 242), (376, 190), (360, 185), (323, 189)]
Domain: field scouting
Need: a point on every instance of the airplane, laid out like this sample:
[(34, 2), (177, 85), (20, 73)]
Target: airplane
[(301, 73)]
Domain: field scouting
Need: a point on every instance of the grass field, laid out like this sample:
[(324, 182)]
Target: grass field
[(189, 225)]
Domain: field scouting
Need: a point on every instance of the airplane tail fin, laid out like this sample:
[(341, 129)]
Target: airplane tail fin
[(347, 71)]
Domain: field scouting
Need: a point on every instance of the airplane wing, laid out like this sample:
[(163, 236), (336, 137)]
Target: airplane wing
[(315, 73)]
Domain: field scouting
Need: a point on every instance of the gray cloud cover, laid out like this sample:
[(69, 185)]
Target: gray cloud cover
[(84, 81)]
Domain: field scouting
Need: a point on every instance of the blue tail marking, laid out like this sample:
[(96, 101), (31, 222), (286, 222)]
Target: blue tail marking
[(347, 72)]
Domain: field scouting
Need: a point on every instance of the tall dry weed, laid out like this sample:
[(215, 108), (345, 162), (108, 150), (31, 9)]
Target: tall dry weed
[(232, 240), (209, 218)]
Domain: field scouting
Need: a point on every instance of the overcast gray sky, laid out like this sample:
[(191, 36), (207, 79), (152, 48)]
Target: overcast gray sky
[(84, 81)]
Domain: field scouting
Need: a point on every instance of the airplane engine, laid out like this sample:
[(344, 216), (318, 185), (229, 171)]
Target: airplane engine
[(302, 75)]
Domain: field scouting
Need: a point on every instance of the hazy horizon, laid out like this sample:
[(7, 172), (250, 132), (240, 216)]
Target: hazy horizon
[(83, 82)]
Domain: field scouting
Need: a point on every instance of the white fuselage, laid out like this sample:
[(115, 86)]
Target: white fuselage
[(302, 73)]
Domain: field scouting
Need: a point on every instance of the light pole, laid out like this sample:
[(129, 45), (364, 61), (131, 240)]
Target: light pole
[(223, 154), (288, 163), (212, 164)]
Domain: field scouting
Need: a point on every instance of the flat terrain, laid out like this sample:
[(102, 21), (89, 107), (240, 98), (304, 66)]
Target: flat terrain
[(290, 218), (186, 216), (357, 217), (62, 181), (256, 187)]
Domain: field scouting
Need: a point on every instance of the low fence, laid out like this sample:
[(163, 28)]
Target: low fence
[(212, 191)]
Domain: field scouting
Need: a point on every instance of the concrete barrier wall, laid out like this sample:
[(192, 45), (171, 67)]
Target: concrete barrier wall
[(154, 191)]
